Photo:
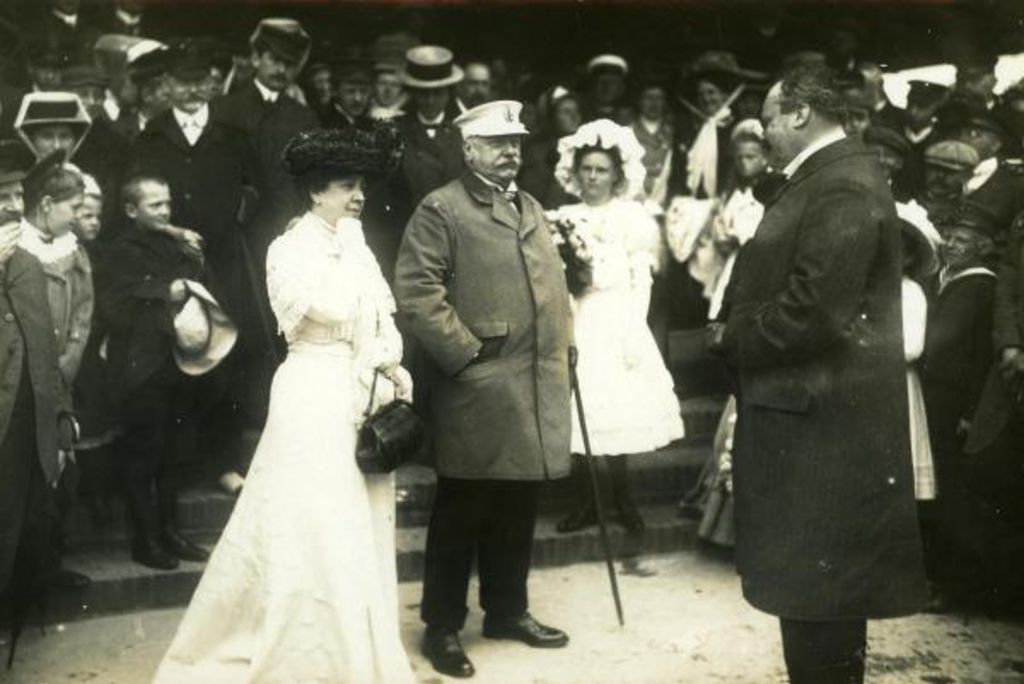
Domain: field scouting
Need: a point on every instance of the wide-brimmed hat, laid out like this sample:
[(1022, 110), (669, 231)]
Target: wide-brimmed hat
[(492, 119), (430, 66), (203, 333), (284, 37), (15, 161), (49, 108), (602, 134), (371, 149), (915, 223), (112, 52), (720, 65)]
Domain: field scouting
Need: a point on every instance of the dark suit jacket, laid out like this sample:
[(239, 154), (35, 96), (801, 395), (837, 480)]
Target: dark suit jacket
[(267, 129), (26, 337), (133, 296), (1009, 307), (427, 163), (824, 492), (958, 342), (207, 186), (1003, 195)]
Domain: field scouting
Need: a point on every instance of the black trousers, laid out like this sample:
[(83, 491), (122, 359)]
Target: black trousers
[(824, 652), (491, 521), (26, 503), (159, 449)]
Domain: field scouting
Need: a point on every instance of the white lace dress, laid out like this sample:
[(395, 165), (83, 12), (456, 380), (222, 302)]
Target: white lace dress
[(628, 396), (302, 585)]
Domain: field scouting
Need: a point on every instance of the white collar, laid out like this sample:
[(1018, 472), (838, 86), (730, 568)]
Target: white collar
[(651, 127), (200, 118), (819, 144), (945, 279), (128, 18), (266, 93), (982, 172), (436, 121), (68, 19), (512, 187), (33, 240), (916, 137)]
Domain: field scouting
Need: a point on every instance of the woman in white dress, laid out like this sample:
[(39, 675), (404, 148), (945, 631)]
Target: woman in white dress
[(630, 403), (302, 585)]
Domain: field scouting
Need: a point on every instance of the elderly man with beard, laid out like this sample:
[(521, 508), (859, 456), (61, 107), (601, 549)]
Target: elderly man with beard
[(480, 287), (827, 531)]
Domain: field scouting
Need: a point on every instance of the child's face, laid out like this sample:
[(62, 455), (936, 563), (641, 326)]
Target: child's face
[(749, 159), (963, 247), (88, 225)]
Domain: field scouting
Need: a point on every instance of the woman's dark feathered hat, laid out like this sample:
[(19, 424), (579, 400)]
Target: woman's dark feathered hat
[(371, 150)]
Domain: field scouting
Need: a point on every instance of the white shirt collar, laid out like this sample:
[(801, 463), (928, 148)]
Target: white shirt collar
[(436, 121), (200, 118), (69, 19), (819, 144), (982, 172), (651, 127), (127, 18), (916, 137), (47, 250), (946, 277), (266, 93)]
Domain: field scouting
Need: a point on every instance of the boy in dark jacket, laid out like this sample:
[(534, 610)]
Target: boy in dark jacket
[(156, 402)]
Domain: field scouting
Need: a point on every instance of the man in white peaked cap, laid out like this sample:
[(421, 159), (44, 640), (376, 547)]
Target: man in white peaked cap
[(480, 287)]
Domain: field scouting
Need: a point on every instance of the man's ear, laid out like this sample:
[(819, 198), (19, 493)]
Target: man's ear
[(130, 210), (801, 116), (46, 204)]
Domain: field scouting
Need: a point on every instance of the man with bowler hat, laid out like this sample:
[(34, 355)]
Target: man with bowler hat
[(481, 289), (827, 531)]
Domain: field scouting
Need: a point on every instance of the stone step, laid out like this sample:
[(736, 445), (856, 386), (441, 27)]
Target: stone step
[(120, 585), (659, 477)]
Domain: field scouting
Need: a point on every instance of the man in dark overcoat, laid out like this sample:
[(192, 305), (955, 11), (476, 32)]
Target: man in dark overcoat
[(433, 148), (36, 427), (480, 287), (827, 532), (269, 118)]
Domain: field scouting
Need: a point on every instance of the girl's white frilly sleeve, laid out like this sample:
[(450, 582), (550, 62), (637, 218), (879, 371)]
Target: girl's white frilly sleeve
[(291, 283)]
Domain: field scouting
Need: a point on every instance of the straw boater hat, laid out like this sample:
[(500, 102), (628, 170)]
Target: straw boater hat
[(608, 64), (49, 108), (430, 66), (605, 135), (720, 67), (203, 333)]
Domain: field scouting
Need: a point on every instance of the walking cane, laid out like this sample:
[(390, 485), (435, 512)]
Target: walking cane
[(595, 486)]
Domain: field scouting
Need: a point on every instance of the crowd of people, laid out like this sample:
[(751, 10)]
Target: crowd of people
[(148, 181)]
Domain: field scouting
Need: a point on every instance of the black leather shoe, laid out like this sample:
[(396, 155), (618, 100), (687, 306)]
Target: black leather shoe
[(579, 519), (182, 548), (527, 630), (152, 556), (630, 517), (69, 579), (441, 646)]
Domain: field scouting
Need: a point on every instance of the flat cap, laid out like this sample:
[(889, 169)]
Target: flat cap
[(952, 154)]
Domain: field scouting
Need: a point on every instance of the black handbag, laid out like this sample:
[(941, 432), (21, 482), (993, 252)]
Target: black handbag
[(389, 437)]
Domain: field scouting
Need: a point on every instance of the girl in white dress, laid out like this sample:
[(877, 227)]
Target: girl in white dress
[(302, 586), (630, 403)]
